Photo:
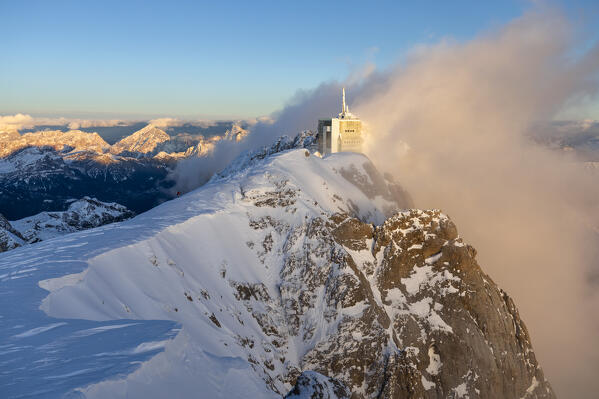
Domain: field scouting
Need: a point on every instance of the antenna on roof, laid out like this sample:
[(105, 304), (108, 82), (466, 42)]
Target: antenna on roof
[(343, 109)]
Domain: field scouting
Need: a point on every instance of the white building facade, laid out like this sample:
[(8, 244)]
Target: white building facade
[(343, 133)]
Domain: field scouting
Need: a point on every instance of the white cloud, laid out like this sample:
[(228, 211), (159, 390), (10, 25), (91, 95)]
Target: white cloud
[(174, 122), (166, 122), (24, 121), (267, 120), (85, 123), (10, 123), (465, 110)]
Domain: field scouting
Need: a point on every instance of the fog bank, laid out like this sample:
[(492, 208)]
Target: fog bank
[(452, 125)]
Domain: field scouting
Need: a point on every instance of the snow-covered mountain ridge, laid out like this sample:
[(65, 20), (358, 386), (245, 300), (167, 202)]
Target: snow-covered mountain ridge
[(146, 142), (82, 214), (41, 171), (285, 264), (143, 141), (74, 139)]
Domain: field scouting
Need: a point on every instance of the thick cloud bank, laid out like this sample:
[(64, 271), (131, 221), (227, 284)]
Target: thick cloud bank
[(9, 123), (452, 125), (24, 121)]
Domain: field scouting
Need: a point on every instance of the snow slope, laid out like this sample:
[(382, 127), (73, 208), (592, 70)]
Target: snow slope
[(42, 357), (283, 264), (145, 268)]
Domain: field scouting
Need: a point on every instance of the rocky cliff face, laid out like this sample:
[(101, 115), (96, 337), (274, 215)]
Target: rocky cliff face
[(433, 325), (313, 385), (408, 311), (309, 276)]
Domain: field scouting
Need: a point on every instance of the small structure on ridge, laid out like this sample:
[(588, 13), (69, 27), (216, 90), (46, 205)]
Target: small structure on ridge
[(343, 133)]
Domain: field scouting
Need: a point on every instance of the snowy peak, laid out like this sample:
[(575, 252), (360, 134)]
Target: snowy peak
[(289, 268), (146, 142), (73, 140), (236, 133), (143, 141), (305, 139)]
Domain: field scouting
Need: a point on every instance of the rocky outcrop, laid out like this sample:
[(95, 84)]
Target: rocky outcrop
[(436, 327), (416, 316), (312, 385), (9, 237), (405, 311)]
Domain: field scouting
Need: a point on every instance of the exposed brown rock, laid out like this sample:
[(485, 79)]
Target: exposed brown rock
[(430, 323)]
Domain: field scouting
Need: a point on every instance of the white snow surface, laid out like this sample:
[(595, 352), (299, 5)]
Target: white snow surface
[(434, 365), (163, 265), (461, 391), (426, 383)]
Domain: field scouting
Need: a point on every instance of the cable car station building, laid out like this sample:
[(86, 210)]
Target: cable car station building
[(340, 134)]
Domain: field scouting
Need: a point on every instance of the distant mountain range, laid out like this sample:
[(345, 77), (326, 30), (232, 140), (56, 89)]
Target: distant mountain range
[(45, 170), (580, 138), (146, 142)]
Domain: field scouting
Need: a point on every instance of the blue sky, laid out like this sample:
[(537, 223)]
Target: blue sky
[(194, 59)]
